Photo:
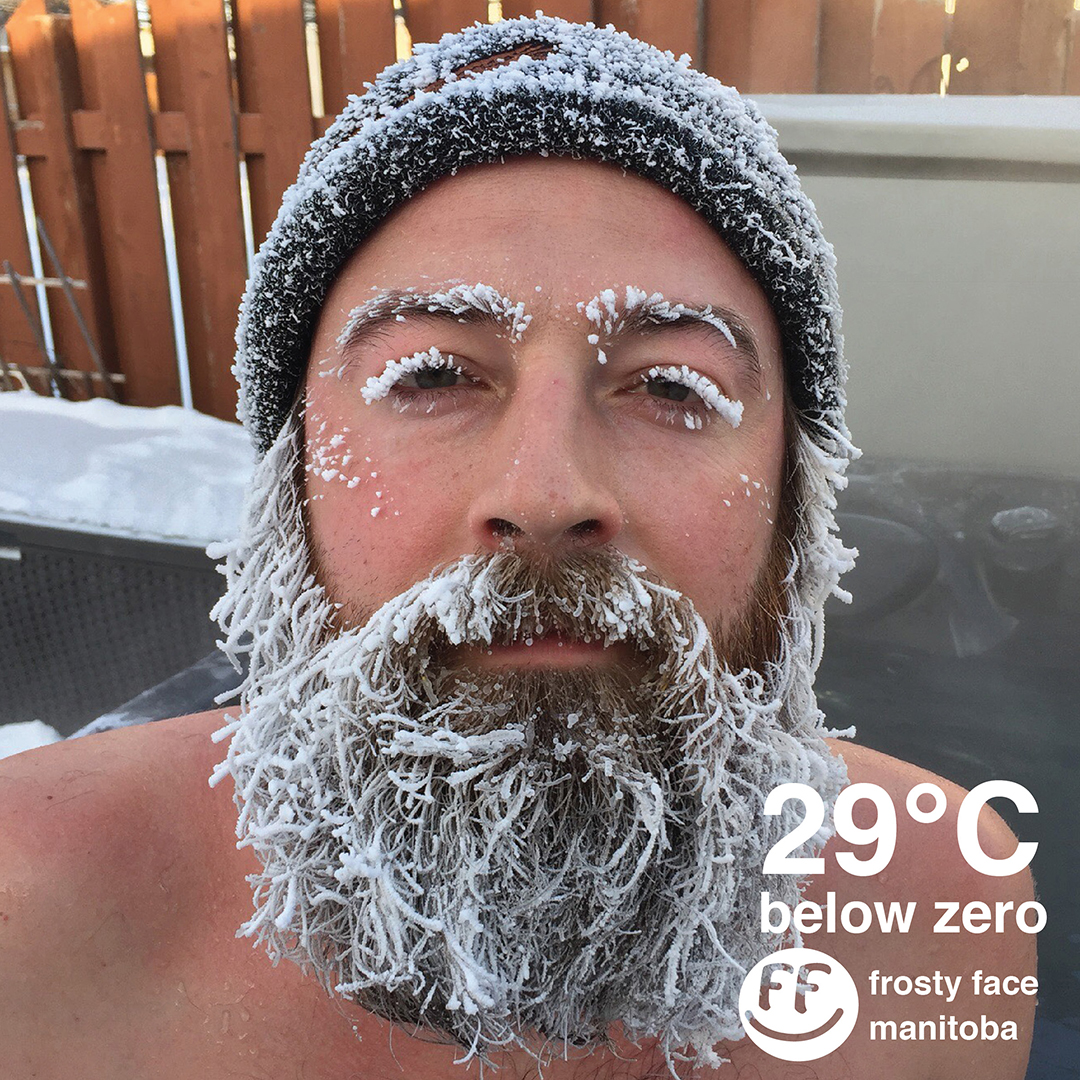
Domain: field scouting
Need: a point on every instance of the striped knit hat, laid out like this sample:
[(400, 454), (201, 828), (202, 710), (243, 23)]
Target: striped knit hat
[(543, 85)]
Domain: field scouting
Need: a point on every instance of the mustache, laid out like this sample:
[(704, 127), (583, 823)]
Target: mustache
[(505, 597), (596, 594), (520, 587)]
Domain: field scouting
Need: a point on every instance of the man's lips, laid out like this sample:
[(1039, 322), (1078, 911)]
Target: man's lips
[(546, 650)]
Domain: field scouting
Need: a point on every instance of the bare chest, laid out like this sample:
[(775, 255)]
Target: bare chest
[(245, 1018), (222, 1011)]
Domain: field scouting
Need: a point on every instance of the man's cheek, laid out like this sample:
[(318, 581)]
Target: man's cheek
[(716, 571)]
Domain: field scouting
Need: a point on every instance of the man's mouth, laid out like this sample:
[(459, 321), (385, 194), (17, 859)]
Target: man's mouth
[(551, 650)]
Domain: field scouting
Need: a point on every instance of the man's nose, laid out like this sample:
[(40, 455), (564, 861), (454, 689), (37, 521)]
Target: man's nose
[(545, 484)]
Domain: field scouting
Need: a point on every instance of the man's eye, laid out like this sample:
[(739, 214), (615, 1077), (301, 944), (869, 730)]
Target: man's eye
[(431, 378), (668, 389), (678, 390), (413, 376)]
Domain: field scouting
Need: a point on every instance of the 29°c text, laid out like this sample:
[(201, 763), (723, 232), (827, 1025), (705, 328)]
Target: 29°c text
[(882, 833)]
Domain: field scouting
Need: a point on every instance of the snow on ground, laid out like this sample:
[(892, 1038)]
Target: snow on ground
[(166, 474), (15, 738)]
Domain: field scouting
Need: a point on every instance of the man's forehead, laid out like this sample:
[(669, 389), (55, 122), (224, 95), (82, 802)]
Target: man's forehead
[(533, 206), (556, 236)]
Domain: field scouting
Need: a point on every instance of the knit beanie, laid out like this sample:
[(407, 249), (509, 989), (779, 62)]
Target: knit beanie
[(544, 86)]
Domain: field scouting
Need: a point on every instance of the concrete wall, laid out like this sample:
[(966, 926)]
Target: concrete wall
[(956, 224)]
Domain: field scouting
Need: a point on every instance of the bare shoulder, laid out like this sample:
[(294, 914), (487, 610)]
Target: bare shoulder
[(71, 812), (930, 850), (96, 840), (972, 916), (59, 798)]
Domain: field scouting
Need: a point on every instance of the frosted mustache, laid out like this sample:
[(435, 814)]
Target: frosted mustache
[(484, 600)]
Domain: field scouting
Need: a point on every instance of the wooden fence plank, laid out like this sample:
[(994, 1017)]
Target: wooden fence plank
[(909, 40), (30, 138), (763, 46), (1072, 63), (847, 36), (272, 73), (191, 61), (110, 64), (580, 11), (987, 34), (329, 15), (16, 340), (46, 84), (668, 24), (728, 29), (428, 20), (1044, 46), (622, 14), (356, 41), (784, 46), (171, 132), (367, 42)]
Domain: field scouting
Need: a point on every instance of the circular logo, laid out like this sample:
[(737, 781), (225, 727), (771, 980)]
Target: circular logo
[(798, 1004)]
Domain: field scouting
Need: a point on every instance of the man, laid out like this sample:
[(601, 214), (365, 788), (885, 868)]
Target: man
[(542, 360)]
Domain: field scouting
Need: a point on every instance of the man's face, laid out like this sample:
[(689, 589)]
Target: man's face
[(512, 782), (536, 441)]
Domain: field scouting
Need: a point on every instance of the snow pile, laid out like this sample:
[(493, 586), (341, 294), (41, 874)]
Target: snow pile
[(15, 738), (96, 466)]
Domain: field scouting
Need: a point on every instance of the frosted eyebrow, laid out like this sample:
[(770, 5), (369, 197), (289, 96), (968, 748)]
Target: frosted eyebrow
[(475, 304), (641, 313)]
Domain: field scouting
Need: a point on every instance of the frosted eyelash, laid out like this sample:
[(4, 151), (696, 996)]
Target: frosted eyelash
[(378, 386), (705, 388)]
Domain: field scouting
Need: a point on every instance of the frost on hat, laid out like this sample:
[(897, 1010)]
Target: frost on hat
[(543, 86)]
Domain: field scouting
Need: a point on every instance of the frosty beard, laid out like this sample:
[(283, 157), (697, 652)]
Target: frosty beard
[(520, 858)]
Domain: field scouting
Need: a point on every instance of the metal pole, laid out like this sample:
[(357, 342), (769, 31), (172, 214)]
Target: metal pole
[(8, 383), (65, 284), (16, 284)]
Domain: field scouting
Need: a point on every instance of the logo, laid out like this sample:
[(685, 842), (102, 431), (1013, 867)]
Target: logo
[(798, 1004)]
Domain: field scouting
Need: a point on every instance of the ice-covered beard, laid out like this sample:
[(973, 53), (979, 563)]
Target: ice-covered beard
[(511, 858)]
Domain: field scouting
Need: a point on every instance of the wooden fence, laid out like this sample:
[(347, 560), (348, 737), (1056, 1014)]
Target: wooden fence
[(91, 100)]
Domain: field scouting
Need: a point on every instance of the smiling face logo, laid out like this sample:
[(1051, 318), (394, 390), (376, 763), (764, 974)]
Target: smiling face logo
[(798, 1004)]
